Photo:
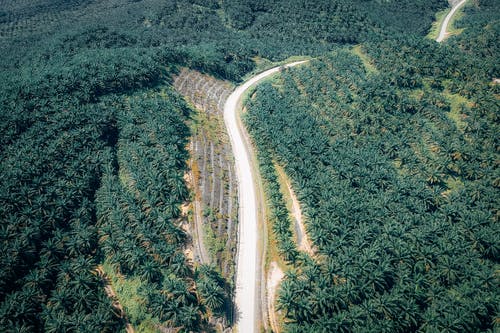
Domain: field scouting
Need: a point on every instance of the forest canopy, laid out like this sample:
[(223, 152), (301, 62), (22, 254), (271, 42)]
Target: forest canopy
[(93, 152), (394, 157)]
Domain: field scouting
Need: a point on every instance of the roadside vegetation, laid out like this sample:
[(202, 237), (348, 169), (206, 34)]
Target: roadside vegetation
[(93, 154), (396, 170), (438, 22)]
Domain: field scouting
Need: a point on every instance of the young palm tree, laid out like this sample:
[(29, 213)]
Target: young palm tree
[(150, 271), (189, 317), (213, 296)]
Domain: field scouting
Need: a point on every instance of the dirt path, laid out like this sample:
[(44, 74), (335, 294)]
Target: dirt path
[(203, 256), (247, 265), (443, 33), (197, 251), (293, 205), (274, 277), (302, 239)]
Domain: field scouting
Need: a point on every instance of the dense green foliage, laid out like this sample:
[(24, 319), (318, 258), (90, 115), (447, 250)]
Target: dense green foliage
[(49, 177), (396, 169), (92, 139), (278, 215), (277, 29)]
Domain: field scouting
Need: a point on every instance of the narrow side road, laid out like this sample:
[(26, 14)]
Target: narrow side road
[(247, 265), (444, 26), (293, 205)]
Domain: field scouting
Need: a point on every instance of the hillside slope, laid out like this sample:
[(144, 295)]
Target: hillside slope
[(93, 138), (393, 155)]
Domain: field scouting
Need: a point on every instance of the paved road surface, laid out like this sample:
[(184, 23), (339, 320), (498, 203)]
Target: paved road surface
[(444, 26), (247, 265)]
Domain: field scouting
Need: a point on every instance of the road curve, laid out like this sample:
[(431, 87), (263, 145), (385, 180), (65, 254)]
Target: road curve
[(444, 26), (247, 265)]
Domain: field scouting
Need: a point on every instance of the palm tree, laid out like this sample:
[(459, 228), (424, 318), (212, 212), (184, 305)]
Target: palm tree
[(37, 278), (212, 295), (150, 271), (180, 266), (189, 317)]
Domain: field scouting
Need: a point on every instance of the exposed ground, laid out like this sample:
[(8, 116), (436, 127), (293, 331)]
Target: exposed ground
[(274, 277), (211, 177)]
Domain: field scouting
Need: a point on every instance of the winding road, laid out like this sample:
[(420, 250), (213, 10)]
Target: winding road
[(444, 26), (247, 265)]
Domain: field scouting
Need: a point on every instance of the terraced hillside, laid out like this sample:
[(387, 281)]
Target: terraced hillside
[(212, 177)]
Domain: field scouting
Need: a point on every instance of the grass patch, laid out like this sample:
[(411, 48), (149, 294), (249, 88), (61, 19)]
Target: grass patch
[(436, 25), (126, 179), (211, 125), (367, 61), (452, 30), (214, 243), (457, 105), (127, 292)]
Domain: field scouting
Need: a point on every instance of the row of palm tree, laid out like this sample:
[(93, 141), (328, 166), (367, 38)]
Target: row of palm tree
[(398, 197), (139, 217), (49, 237)]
